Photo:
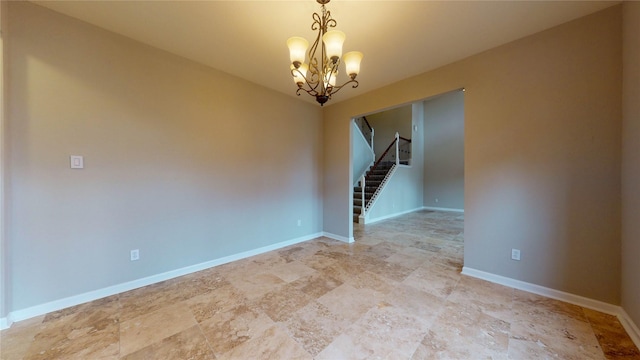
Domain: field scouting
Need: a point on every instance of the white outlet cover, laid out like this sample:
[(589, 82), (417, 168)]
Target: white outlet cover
[(77, 162), (515, 254)]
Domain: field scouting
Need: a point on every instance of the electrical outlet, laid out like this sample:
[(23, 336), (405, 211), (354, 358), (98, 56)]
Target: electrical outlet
[(135, 255), (299, 222), (515, 254)]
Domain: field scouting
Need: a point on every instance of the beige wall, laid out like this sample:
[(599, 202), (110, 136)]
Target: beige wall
[(3, 252), (404, 190), (542, 154), (631, 161), (387, 123), (444, 151), (183, 162)]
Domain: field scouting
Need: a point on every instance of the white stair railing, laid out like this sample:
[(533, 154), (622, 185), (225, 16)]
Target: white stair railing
[(397, 149), (363, 204), (373, 131)]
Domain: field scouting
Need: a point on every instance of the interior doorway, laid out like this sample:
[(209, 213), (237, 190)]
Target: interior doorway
[(433, 178)]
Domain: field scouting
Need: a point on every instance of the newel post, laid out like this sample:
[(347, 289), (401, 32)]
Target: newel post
[(397, 149), (373, 131), (363, 205)]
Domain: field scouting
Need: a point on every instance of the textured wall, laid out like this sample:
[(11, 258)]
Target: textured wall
[(183, 162), (542, 154)]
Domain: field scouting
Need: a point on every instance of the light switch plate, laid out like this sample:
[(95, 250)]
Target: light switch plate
[(77, 162)]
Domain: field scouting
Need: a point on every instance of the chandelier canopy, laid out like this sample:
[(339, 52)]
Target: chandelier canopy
[(318, 77)]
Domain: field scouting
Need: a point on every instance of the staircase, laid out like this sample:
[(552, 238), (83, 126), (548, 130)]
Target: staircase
[(373, 179)]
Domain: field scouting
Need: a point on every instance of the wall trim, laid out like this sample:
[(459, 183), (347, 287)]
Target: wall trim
[(348, 240), (629, 326), (625, 320), (55, 305), (385, 217), (442, 209), (544, 291)]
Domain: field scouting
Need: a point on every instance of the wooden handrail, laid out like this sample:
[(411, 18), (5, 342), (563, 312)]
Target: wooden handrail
[(405, 139), (367, 122), (383, 155)]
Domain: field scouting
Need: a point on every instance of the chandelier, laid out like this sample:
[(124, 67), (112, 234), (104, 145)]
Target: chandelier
[(319, 78)]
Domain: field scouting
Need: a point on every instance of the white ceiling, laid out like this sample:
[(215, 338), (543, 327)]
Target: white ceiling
[(399, 39)]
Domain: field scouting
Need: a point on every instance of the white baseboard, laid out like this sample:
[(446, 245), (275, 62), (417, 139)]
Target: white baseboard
[(4, 323), (371, 221), (56, 305), (348, 240), (442, 209), (625, 320), (630, 326), (544, 291)]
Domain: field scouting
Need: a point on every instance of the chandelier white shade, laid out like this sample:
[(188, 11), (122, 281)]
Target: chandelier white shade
[(318, 76), (297, 49)]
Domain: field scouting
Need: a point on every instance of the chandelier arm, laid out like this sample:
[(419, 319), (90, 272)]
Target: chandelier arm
[(311, 83), (317, 78), (317, 21), (330, 69), (311, 92), (329, 22), (317, 25), (335, 89)]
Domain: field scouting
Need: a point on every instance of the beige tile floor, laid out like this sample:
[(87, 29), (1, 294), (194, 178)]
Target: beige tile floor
[(397, 293)]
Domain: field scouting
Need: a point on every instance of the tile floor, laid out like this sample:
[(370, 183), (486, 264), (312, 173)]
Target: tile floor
[(397, 293)]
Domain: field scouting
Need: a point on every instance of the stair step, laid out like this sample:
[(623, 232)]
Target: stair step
[(379, 172), (357, 193), (373, 180), (367, 189)]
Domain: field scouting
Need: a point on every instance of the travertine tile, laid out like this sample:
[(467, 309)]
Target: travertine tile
[(273, 343), (491, 299), (148, 299), (434, 279), (396, 293), (281, 303), (83, 331), (350, 303), (315, 326), (255, 285), (613, 339), (150, 328), (372, 281), (317, 284), (187, 344), (292, 271), (539, 308), (560, 336), (462, 332), (15, 341), (207, 305), (233, 327), (424, 306), (384, 332)]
